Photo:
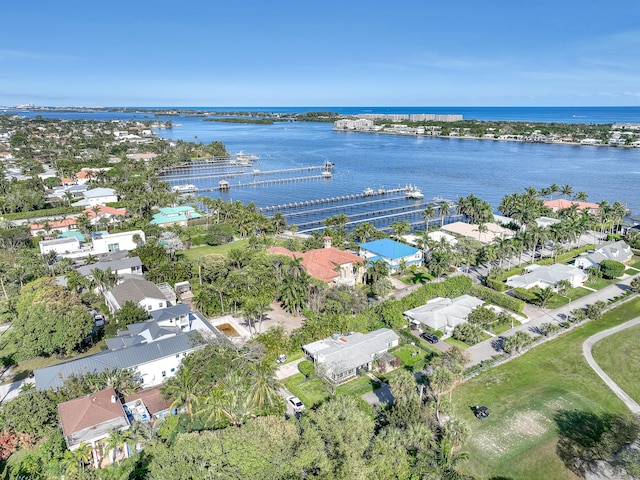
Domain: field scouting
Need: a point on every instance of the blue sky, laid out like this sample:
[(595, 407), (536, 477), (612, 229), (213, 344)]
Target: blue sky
[(320, 53)]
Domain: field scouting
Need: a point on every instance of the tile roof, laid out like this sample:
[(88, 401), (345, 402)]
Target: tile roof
[(103, 210), (90, 410), (152, 398), (67, 222), (320, 263), (562, 203)]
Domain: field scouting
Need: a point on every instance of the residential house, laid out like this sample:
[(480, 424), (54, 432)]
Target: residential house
[(444, 314), (142, 156), (45, 228), (393, 253), (543, 276), (104, 242), (91, 418), (146, 406), (97, 196), (175, 216), (329, 264), (99, 214), (142, 292), (618, 251), (562, 204), (123, 267), (59, 245), (152, 352), (471, 230), (342, 356)]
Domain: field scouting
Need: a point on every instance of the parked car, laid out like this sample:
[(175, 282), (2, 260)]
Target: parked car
[(296, 403), (98, 320), (281, 358), (429, 337)]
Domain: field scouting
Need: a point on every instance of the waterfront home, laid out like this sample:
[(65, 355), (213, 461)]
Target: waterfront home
[(45, 228), (175, 216), (329, 264), (342, 356), (562, 204), (391, 252), (543, 276), (618, 251), (444, 314), (471, 230)]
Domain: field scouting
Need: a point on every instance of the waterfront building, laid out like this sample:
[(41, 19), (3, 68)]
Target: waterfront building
[(391, 252)]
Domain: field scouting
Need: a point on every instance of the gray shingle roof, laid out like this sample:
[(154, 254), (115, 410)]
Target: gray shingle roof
[(115, 265), (136, 290)]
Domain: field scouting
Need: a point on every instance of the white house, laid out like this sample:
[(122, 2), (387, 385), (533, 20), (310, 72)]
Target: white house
[(104, 242), (97, 196), (59, 245), (618, 251), (142, 292), (547, 276), (151, 351), (444, 314), (343, 355)]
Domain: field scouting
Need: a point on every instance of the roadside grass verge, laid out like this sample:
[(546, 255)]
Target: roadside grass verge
[(525, 397), (617, 350), (599, 283)]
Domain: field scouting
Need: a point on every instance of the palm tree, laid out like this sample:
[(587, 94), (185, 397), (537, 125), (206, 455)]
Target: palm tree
[(553, 188), (118, 438), (400, 228), (545, 295), (428, 214), (444, 211), (581, 196), (264, 389), (566, 190), (183, 389), (562, 286), (482, 228)]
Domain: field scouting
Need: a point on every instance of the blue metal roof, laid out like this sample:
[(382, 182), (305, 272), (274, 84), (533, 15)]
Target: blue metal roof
[(389, 249)]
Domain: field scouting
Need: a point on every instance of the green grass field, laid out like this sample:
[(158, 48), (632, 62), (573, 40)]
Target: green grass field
[(558, 301), (617, 350), (313, 392), (525, 397), (195, 253), (412, 356)]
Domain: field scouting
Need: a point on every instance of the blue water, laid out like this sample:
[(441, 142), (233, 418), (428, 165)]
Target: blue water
[(440, 167)]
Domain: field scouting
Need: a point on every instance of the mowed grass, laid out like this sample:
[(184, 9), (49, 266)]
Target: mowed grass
[(410, 355), (194, 253), (313, 391), (621, 349), (525, 395)]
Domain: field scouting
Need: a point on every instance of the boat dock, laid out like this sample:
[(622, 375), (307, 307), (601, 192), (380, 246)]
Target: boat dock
[(181, 178)]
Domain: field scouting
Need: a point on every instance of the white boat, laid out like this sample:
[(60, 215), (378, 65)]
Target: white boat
[(326, 174), (413, 192), (368, 191), (184, 188)]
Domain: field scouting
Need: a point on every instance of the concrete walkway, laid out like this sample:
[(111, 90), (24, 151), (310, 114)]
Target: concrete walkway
[(615, 388)]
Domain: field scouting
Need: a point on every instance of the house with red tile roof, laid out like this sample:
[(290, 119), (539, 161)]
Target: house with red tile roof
[(91, 418), (114, 215), (47, 227), (561, 204), (329, 264)]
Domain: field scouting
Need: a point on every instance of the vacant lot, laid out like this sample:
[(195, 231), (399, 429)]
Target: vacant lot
[(526, 396), (621, 349)]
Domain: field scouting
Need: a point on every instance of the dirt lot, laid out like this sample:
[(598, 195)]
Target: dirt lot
[(278, 316)]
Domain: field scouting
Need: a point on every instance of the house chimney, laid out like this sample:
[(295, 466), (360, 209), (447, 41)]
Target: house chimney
[(113, 399), (327, 242)]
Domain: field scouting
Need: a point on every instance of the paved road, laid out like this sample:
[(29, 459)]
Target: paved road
[(586, 351), (537, 316)]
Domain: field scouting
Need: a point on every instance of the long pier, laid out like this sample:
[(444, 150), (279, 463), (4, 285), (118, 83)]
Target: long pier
[(256, 183), (211, 162), (254, 173)]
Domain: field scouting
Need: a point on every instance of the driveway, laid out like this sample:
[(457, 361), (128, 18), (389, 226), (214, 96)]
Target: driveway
[(288, 369), (615, 388), (378, 396)]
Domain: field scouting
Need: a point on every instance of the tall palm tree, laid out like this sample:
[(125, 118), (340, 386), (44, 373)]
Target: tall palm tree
[(428, 214), (566, 190), (117, 440), (444, 211), (183, 389), (264, 387)]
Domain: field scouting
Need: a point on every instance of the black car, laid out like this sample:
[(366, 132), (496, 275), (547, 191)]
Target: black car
[(429, 337)]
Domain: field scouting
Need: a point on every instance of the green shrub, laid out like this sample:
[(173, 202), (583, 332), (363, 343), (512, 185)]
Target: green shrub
[(526, 295), (611, 268), (497, 298), (306, 368), (496, 285)]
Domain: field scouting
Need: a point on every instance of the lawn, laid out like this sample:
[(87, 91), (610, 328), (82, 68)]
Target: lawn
[(527, 396), (635, 265), (621, 349), (194, 253), (412, 356), (456, 342), (313, 392), (599, 283), (558, 301)]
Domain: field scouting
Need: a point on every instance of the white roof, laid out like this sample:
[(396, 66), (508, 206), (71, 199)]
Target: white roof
[(547, 274), (441, 313)]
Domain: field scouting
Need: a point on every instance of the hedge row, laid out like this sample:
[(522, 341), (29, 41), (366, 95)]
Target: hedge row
[(496, 298), (496, 285), (47, 212), (525, 295)]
